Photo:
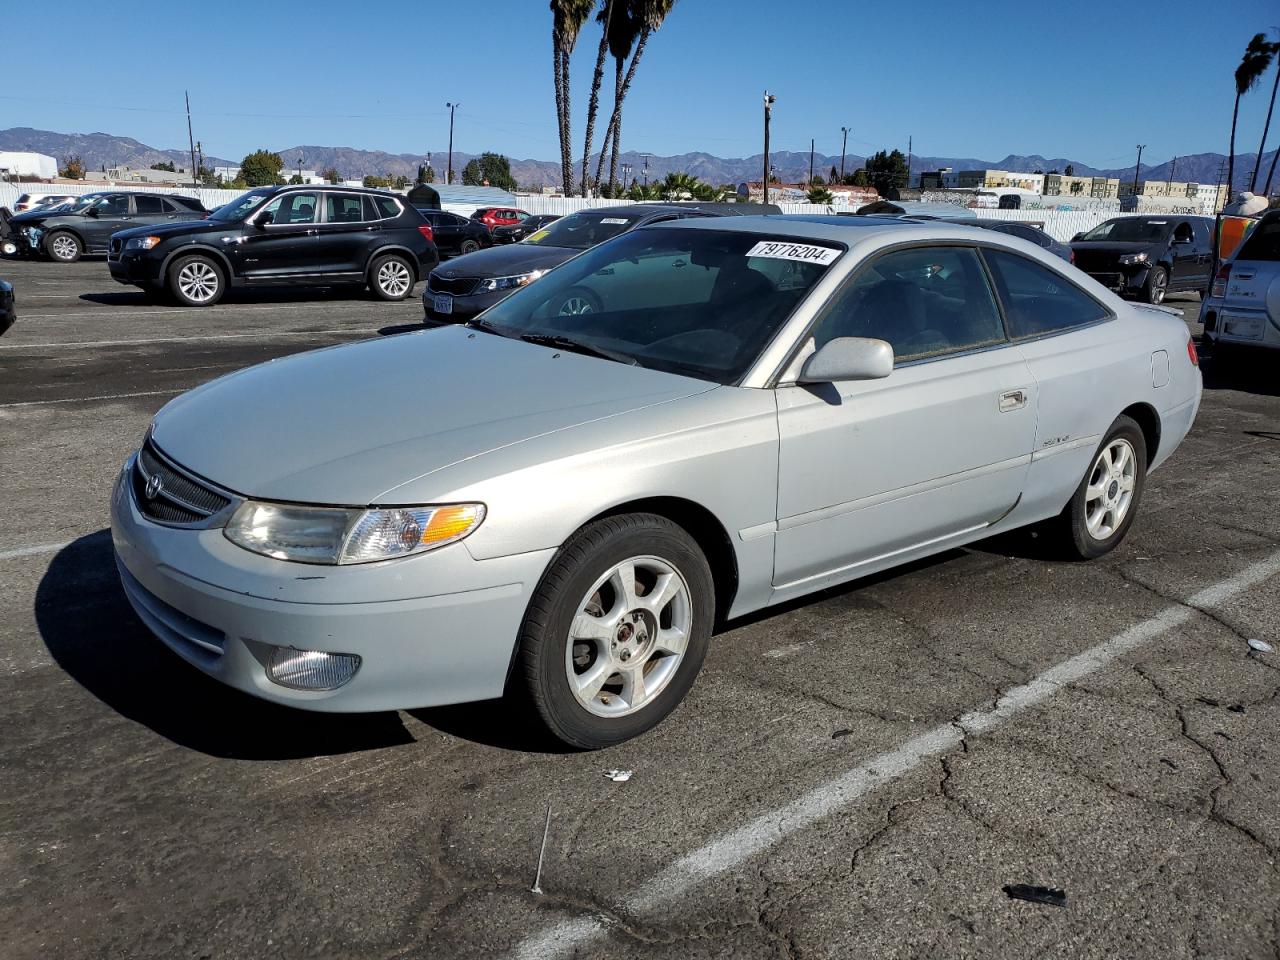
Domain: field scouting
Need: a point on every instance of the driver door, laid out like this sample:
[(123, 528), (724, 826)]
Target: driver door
[(284, 249), (110, 214), (873, 471)]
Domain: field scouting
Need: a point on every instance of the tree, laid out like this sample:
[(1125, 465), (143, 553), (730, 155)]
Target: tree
[(296, 179), (1258, 55), (376, 182), (331, 175), (605, 19), (261, 168), (817, 181), (567, 18), (489, 169), (624, 29), (858, 178), (426, 174), (834, 176), (887, 171), (1266, 127), (820, 194), (72, 167), (1070, 171), (164, 165)]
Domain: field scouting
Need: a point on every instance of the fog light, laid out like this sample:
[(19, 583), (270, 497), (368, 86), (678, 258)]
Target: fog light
[(311, 669)]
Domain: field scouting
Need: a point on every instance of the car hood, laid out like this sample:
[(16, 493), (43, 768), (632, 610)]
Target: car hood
[(347, 424), (507, 261), (34, 218), (177, 226)]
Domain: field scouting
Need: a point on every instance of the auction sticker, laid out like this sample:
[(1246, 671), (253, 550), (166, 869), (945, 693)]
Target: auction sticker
[(802, 252), (614, 220)]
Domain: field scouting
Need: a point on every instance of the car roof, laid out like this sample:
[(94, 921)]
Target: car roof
[(836, 228)]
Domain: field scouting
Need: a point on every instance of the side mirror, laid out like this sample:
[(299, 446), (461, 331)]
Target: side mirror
[(92, 212), (848, 358), (264, 219)]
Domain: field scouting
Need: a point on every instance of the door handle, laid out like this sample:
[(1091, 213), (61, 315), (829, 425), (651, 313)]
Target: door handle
[(1012, 400)]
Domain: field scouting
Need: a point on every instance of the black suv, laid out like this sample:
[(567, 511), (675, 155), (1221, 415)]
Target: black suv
[(282, 235), (456, 235), (1148, 256), (85, 225)]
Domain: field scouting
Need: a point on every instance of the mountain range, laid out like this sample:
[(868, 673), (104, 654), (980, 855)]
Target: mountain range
[(102, 150)]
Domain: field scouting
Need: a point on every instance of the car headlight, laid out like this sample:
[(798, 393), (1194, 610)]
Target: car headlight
[(1129, 259), (335, 535), (508, 283), (141, 243)]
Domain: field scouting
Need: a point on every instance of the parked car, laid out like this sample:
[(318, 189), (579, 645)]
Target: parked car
[(498, 216), (459, 290), (85, 225), (1027, 232), (1148, 256), (29, 201), (271, 236), (455, 235), (768, 407), (8, 309), (515, 232), (1243, 307)]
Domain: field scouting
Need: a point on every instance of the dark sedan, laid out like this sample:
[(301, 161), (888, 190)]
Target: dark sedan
[(515, 232), (8, 312), (459, 290), (67, 232), (455, 235), (1027, 232)]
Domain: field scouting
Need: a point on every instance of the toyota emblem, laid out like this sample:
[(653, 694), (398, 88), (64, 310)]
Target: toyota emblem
[(155, 483)]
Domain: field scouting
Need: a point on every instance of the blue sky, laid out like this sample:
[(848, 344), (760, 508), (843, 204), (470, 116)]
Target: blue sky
[(1001, 77)]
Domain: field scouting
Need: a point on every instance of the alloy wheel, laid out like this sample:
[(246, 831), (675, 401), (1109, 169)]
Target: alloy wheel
[(64, 248), (1109, 493), (575, 305), (1158, 288), (628, 637), (394, 278), (198, 282)]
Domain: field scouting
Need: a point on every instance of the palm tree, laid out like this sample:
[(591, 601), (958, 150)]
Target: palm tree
[(678, 186), (1257, 57), (567, 18), (1253, 179), (649, 15), (604, 18), (820, 195), (624, 30)]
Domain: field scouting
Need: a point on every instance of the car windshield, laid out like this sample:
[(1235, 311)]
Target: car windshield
[(83, 202), (240, 207), (701, 303), (582, 230), (1129, 229)]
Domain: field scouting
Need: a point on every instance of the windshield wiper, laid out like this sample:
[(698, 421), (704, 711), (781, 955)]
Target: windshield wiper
[(577, 346), (487, 327)]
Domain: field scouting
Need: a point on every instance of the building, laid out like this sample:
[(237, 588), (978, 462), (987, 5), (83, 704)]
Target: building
[(19, 164), (841, 194), (982, 179)]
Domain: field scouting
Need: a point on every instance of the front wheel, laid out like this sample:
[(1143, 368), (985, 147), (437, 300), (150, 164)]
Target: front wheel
[(469, 246), (196, 281), (64, 247), (391, 277), (617, 630), (1157, 285), (1103, 507), (578, 300)]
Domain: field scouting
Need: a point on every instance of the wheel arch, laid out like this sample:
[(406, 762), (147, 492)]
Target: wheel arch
[(213, 253), (54, 231), (1148, 420), (399, 248)]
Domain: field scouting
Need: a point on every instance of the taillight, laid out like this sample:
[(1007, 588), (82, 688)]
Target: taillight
[(1191, 353), (426, 231), (1220, 281)]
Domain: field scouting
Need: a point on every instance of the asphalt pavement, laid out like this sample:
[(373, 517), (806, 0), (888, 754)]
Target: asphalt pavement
[(859, 775)]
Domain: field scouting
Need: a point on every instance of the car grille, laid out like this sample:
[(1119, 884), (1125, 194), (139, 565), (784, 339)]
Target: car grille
[(1112, 280), (179, 499), (458, 286)]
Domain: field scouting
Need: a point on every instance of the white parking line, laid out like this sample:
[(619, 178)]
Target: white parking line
[(673, 884), (220, 336), (107, 396), (33, 551)]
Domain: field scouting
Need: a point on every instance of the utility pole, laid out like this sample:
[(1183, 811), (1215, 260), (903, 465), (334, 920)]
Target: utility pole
[(646, 157), (768, 112), (190, 139), (1173, 165), (844, 146), (811, 161), (299, 164), (1136, 167), (448, 176), (199, 159), (909, 145)]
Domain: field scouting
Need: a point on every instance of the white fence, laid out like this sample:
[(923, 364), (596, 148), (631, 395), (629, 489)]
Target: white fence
[(1060, 224)]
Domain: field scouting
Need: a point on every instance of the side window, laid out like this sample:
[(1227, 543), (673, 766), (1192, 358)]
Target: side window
[(170, 207), (925, 301), (116, 205), (1182, 232), (1037, 300), (148, 206), (292, 208), (370, 211), (343, 207), (387, 207)]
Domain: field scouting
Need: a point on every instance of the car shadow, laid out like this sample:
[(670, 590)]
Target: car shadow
[(240, 295), (93, 635), (507, 724), (1244, 370)]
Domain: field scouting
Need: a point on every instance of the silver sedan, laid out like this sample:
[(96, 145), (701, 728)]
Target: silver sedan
[(564, 504)]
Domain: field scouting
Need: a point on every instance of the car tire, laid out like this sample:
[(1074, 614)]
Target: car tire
[(63, 246), (469, 246), (196, 281), (596, 684), (1157, 285), (391, 277), (577, 300), (1102, 509)]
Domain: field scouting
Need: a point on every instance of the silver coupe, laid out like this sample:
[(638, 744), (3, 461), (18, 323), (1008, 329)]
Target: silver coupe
[(561, 503)]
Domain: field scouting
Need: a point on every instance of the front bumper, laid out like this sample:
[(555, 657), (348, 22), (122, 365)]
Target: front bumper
[(8, 311), (433, 629), (133, 268), (464, 308), (1121, 279)]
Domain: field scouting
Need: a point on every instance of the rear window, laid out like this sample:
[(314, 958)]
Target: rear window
[(1263, 243), (189, 203), (148, 205), (386, 207)]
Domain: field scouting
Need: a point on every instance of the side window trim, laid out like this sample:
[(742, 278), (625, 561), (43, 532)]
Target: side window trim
[(1108, 314)]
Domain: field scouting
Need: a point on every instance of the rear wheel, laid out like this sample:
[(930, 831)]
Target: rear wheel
[(1157, 285), (617, 630), (1104, 505), (391, 277), (577, 300), (64, 247), (196, 281), (469, 246)]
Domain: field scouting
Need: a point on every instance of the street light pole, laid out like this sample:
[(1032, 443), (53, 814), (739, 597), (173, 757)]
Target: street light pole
[(811, 161), (844, 147), (768, 112), (1136, 166), (190, 139), (448, 176)]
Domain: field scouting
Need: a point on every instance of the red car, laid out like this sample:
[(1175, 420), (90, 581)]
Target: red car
[(499, 216)]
